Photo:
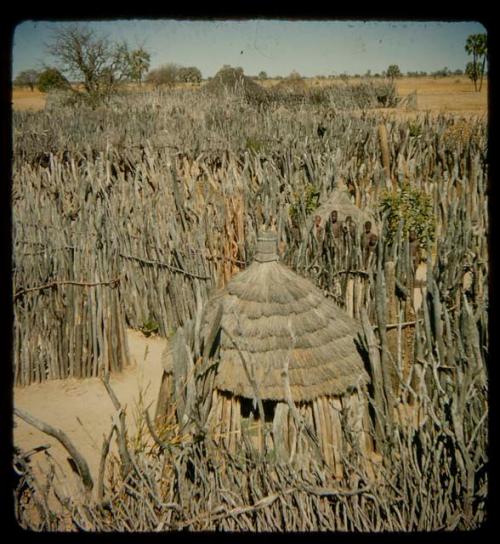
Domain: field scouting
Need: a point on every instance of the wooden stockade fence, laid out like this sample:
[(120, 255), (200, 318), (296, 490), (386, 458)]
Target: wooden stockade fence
[(115, 229), (146, 224)]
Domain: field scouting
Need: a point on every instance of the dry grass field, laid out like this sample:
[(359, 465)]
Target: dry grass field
[(451, 94), (25, 99), (435, 95)]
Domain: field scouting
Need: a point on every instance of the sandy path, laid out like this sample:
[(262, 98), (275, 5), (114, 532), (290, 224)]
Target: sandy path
[(83, 409)]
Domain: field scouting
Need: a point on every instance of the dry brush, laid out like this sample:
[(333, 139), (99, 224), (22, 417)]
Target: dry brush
[(122, 215)]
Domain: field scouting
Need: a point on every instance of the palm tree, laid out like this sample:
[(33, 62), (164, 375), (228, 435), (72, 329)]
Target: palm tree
[(476, 46)]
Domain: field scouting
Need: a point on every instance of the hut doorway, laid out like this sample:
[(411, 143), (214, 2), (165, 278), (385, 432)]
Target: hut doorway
[(249, 409)]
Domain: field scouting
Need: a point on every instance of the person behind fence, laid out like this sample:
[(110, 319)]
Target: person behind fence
[(367, 229), (318, 230), (318, 233), (335, 224), (368, 242)]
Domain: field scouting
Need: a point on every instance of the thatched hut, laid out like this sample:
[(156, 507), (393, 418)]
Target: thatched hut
[(340, 200), (282, 359), (286, 355), (232, 82)]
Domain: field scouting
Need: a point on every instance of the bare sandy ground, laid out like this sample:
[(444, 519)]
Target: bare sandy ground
[(83, 410)]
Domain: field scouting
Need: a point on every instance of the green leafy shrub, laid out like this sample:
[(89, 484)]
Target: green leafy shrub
[(50, 79), (414, 207), (307, 200), (150, 327)]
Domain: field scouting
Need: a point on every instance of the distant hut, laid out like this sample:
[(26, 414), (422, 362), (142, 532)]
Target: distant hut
[(231, 82), (277, 339), (340, 200), (352, 219)]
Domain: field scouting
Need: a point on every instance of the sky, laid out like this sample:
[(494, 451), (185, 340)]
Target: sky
[(276, 46)]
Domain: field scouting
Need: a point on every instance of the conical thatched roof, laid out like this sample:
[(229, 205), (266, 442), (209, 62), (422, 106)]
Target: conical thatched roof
[(232, 81), (340, 200), (274, 315)]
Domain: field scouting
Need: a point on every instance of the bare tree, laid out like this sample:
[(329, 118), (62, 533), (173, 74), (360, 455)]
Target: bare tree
[(99, 64)]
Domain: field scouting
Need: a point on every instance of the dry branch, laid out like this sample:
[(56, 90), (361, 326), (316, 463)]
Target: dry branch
[(102, 464), (169, 266), (62, 438), (122, 431), (56, 283)]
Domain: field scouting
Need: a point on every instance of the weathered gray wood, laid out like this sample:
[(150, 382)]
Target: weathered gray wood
[(180, 367), (280, 431), (165, 395), (376, 376), (59, 435)]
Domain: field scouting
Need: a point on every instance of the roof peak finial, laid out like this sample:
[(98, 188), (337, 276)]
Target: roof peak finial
[(267, 246)]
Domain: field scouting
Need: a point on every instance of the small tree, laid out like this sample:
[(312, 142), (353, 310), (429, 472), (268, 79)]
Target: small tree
[(50, 79), (476, 45), (189, 74), (393, 72), (27, 78), (138, 61), (262, 75), (294, 75), (168, 75)]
